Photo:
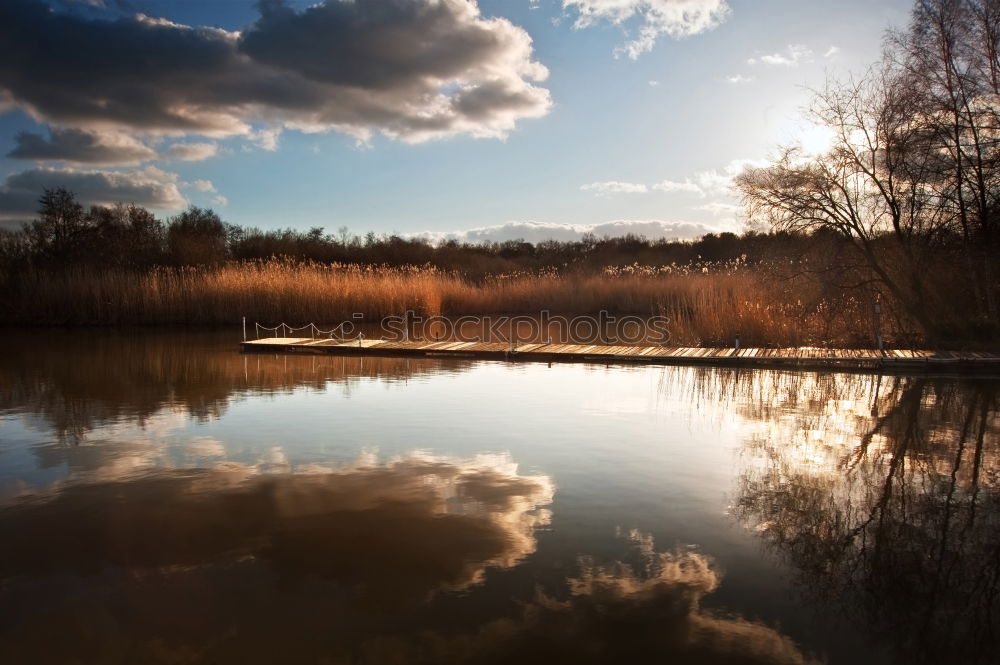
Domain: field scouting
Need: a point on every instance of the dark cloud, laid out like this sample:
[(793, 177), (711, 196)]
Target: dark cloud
[(81, 147), (377, 45), (413, 69), (149, 187)]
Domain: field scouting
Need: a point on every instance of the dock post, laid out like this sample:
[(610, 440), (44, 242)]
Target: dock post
[(244, 328), (878, 326)]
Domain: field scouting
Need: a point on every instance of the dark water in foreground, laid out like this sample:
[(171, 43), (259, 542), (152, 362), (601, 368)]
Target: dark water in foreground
[(164, 499)]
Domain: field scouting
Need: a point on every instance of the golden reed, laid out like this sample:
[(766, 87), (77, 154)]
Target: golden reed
[(706, 305)]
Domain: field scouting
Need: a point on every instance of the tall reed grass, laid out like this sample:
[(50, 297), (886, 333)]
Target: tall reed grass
[(706, 305)]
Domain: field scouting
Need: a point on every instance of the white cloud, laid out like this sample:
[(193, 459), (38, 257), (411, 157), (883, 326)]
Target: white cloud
[(655, 18), (208, 187), (653, 84), (792, 56), (149, 187), (614, 187), (267, 138), (677, 186), (535, 232), (201, 185), (192, 152), (739, 78), (830, 52), (711, 182)]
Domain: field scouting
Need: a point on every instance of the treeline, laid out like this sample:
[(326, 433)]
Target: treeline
[(66, 235)]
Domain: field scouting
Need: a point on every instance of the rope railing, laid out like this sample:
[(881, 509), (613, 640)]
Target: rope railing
[(285, 330)]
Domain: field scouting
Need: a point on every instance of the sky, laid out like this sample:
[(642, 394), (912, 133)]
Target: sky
[(466, 119)]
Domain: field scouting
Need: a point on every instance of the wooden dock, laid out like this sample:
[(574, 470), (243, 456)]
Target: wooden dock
[(891, 360)]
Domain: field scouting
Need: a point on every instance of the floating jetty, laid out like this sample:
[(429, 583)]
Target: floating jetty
[(890, 360)]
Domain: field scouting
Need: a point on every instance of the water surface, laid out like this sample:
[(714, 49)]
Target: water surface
[(165, 499)]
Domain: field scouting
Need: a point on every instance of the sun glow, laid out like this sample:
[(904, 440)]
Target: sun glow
[(798, 131)]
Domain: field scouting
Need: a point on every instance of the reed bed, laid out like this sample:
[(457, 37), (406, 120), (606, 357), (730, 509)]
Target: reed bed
[(706, 305)]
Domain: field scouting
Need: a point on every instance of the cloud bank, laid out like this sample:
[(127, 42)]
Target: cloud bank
[(535, 232), (410, 69)]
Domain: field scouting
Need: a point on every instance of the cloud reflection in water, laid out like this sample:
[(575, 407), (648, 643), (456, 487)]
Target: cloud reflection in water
[(229, 564)]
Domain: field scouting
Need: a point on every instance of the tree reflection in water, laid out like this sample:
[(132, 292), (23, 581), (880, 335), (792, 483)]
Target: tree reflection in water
[(883, 496)]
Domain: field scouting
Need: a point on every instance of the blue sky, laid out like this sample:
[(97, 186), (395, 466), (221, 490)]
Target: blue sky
[(563, 117)]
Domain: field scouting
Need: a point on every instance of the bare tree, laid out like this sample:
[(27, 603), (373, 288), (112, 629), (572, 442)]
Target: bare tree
[(950, 58), (864, 188), (913, 176), (61, 222)]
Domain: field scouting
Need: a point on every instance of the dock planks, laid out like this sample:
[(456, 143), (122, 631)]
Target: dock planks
[(897, 360)]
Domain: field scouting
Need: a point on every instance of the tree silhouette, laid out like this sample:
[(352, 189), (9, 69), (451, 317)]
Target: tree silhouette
[(61, 224)]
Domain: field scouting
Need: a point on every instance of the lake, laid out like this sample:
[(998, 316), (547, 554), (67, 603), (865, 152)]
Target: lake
[(165, 499)]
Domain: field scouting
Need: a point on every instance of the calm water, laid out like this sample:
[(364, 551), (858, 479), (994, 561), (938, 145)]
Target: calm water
[(164, 499)]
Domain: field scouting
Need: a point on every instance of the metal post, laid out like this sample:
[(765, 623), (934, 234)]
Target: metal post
[(878, 326), (244, 328)]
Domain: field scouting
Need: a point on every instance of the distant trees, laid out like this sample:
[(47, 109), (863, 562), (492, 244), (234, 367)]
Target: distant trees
[(65, 234), (912, 180), (123, 235)]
